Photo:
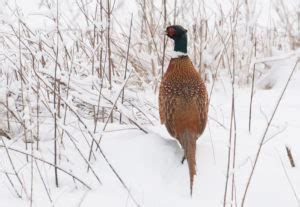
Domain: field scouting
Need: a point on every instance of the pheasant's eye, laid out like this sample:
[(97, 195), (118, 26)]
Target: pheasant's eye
[(171, 32)]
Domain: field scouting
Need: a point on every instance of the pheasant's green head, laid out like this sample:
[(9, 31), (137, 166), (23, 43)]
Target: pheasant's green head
[(178, 34)]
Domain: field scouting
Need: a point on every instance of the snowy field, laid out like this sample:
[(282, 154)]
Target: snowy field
[(55, 85), (150, 164)]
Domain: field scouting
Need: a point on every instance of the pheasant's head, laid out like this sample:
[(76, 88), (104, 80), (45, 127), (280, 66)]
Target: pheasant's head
[(178, 34), (175, 31)]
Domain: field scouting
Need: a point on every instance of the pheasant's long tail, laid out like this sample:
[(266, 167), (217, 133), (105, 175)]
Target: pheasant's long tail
[(189, 146)]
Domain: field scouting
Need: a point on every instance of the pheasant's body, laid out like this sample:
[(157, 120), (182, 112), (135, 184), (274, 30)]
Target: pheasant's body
[(183, 106)]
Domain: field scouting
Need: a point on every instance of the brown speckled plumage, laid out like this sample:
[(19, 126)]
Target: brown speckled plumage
[(183, 107)]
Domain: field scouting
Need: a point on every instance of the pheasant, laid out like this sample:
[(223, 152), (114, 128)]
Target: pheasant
[(183, 99)]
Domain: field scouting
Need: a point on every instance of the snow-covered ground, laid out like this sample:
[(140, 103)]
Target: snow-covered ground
[(149, 164), (139, 163)]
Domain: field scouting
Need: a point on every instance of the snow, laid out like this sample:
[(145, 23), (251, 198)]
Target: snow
[(150, 163), (139, 163)]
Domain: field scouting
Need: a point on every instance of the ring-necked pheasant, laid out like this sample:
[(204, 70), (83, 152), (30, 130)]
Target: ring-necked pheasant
[(183, 100)]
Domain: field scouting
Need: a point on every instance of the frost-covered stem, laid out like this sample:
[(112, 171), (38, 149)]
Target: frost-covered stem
[(7, 112), (38, 114), (298, 18), (31, 174), (51, 164), (201, 48), (20, 121), (58, 112), (289, 180), (98, 103), (228, 160), (225, 50), (12, 184), (108, 39), (67, 95), (195, 43), (141, 111), (54, 101), (284, 18), (93, 56), (126, 64), (101, 72), (111, 111), (206, 30), (233, 117), (247, 11), (151, 28), (215, 75), (97, 115), (265, 133), (252, 89), (175, 12), (81, 154), (37, 91), (22, 84), (84, 11), (14, 168), (110, 68), (232, 141), (165, 38), (142, 3), (231, 146), (43, 181), (58, 98)]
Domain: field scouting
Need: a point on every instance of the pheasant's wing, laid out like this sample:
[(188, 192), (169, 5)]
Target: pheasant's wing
[(202, 106), (162, 104), (171, 105), (167, 105)]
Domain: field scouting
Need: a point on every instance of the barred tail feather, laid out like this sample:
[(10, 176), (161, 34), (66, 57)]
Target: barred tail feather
[(189, 146)]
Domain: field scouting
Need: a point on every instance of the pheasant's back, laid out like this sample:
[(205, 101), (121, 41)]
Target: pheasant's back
[(183, 100)]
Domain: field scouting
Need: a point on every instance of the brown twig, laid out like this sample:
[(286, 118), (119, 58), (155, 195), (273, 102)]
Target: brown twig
[(289, 180), (290, 156)]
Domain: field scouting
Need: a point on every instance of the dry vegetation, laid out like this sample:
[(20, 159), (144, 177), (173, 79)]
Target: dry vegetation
[(96, 68)]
